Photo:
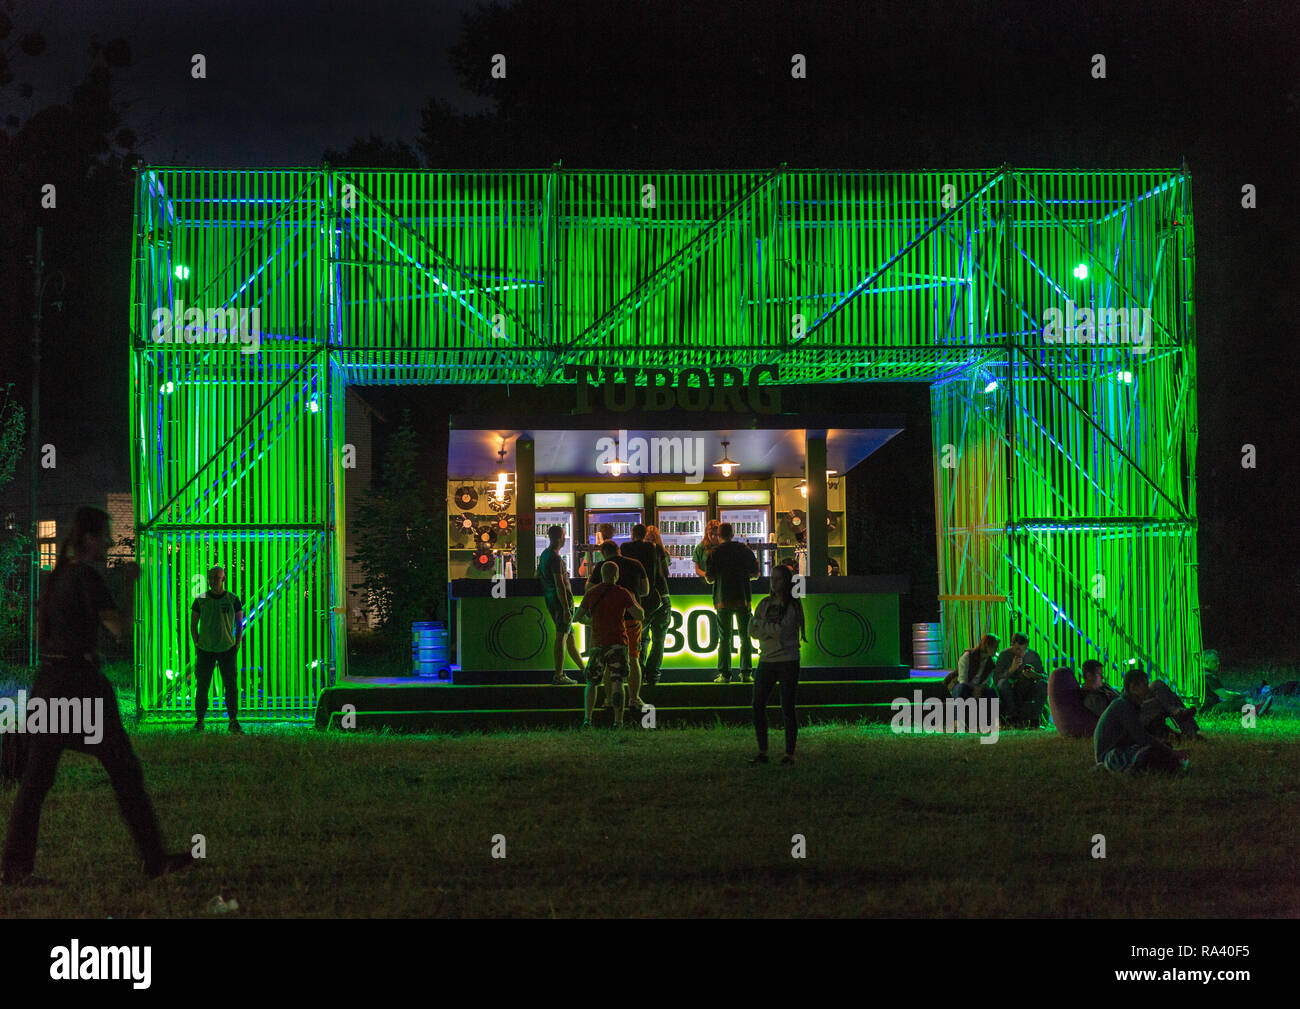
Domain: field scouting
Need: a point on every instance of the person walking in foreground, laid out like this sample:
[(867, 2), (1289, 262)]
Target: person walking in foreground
[(778, 625), (604, 608), (73, 605), (730, 568), (216, 625), (558, 595), (1121, 744)]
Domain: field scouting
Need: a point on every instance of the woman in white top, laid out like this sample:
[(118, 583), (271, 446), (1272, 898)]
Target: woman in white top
[(779, 627)]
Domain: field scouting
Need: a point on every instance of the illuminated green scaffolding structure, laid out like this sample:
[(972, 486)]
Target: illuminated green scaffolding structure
[(1064, 459)]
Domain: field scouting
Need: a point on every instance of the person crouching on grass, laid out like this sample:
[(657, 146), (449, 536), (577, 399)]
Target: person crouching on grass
[(1160, 703), (603, 607), (72, 606), (1121, 743), (778, 625), (216, 625)]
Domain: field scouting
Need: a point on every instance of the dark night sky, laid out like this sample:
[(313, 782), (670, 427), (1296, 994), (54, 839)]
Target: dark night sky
[(286, 78), (915, 85)]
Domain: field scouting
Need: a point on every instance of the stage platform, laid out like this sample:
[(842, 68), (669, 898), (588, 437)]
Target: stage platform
[(413, 705)]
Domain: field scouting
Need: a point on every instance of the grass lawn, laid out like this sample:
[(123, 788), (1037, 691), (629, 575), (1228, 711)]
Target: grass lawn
[(674, 822)]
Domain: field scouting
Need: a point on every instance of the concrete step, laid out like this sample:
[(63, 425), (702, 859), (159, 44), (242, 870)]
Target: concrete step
[(669, 696), (471, 720)]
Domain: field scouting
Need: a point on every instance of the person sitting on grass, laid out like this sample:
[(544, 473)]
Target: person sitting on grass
[(778, 624), (1161, 702), (1021, 683), (1121, 744), (975, 668), (1221, 701), (1098, 695), (603, 607)]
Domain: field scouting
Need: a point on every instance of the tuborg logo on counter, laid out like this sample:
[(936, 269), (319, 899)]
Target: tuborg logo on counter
[(696, 389), (518, 635)]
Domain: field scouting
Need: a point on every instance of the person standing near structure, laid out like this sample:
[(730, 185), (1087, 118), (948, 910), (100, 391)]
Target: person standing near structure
[(558, 595), (730, 569), (73, 605), (778, 624), (633, 577), (706, 546), (608, 607), (216, 626), (653, 559)]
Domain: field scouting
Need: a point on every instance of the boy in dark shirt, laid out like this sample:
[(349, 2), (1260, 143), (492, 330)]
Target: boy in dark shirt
[(1160, 702), (645, 553), (1121, 743), (1098, 695), (604, 607), (216, 625), (729, 569)]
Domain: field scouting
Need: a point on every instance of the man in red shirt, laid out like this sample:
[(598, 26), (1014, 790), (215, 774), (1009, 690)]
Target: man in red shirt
[(603, 607)]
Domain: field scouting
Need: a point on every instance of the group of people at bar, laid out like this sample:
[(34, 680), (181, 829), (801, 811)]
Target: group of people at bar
[(1132, 732), (628, 605)]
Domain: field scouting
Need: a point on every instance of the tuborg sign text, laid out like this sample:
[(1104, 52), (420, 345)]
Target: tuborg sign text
[(696, 389)]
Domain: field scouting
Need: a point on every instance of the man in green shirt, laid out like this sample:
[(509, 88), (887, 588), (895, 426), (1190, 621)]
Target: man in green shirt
[(558, 594), (216, 625)]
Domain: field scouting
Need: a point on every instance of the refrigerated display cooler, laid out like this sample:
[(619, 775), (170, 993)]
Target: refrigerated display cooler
[(555, 509), (681, 517), (750, 515), (622, 511)]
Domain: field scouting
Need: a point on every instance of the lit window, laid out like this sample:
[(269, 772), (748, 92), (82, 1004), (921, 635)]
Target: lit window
[(45, 530), (49, 554)]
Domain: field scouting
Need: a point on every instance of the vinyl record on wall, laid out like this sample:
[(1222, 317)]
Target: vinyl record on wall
[(499, 506), (466, 525), (798, 519), (502, 523), (482, 560), (466, 498), (485, 536), (832, 522)]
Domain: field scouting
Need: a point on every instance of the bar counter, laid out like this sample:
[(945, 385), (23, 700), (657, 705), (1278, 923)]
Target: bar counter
[(852, 622)]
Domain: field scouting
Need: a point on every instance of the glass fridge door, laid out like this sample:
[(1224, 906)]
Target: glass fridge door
[(681, 529), (752, 526), (622, 521), (546, 519)]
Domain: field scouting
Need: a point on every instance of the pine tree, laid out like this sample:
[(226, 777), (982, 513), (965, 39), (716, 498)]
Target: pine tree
[(398, 544)]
